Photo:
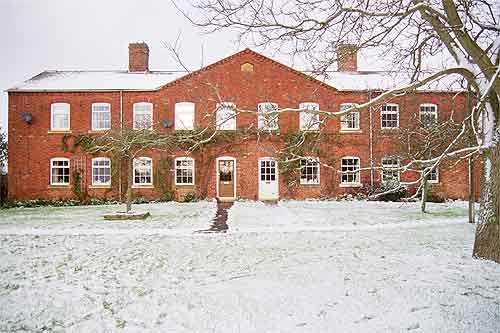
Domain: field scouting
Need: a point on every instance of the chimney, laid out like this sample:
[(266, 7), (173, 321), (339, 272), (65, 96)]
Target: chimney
[(138, 57), (347, 57)]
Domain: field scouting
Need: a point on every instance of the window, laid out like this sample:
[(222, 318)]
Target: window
[(390, 172), (389, 116), (350, 171), (101, 171), (59, 117), (184, 116), (349, 121), (143, 116), (143, 171), (428, 114), (184, 171), (59, 171), (268, 116), (433, 176), (101, 116), (309, 121), (226, 116), (309, 170)]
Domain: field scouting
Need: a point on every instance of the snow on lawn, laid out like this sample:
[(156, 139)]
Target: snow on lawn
[(392, 271), (165, 217)]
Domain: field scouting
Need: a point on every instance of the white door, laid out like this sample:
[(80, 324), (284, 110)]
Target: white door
[(268, 179)]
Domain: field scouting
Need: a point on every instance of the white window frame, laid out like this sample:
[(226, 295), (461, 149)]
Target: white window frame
[(188, 108), (138, 167), (310, 162), (136, 112), (344, 120), (434, 181), (191, 167), (434, 112), (384, 111), (357, 174), (225, 116), (101, 159), (60, 159), (388, 166), (94, 111), (67, 110), (264, 121), (309, 121)]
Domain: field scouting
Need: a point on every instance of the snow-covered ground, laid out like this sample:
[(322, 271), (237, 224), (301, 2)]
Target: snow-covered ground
[(298, 266)]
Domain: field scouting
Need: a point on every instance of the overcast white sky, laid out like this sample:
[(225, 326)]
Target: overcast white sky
[(94, 34)]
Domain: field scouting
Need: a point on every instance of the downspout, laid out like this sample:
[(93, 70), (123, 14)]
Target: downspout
[(371, 140), (120, 161)]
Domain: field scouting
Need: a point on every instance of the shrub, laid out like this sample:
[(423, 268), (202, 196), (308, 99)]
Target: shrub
[(189, 197)]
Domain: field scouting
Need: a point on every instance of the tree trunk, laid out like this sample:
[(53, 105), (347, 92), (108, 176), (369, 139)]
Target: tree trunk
[(130, 178), (487, 243), (425, 189), (472, 190)]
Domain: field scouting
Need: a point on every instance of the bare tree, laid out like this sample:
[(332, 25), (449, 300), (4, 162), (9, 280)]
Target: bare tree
[(425, 40)]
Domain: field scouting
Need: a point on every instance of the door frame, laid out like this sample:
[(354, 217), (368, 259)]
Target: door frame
[(268, 158), (225, 158)]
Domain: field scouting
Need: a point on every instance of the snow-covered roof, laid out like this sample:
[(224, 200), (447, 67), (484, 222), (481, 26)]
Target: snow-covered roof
[(147, 81), (97, 80), (361, 81)]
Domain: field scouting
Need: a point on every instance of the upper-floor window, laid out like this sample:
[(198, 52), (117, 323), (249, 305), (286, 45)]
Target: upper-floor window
[(350, 171), (184, 171), (428, 114), (59, 171), (225, 116), (143, 171), (143, 116), (309, 119), (101, 171), (390, 170), (268, 116), (101, 116), (184, 116), (389, 116), (60, 117), (309, 170), (349, 121)]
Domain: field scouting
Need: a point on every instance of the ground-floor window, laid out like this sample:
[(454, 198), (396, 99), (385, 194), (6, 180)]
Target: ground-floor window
[(309, 170), (143, 171), (350, 171), (433, 176), (184, 171), (390, 172), (101, 171), (59, 171)]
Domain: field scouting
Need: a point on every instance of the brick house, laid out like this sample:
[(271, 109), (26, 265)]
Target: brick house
[(54, 104)]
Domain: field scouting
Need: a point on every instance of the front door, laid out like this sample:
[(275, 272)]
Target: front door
[(225, 176), (268, 179)]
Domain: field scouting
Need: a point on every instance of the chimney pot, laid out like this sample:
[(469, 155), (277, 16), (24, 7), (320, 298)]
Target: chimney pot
[(347, 57), (138, 57)]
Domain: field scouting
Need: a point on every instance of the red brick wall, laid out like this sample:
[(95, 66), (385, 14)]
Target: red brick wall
[(31, 146)]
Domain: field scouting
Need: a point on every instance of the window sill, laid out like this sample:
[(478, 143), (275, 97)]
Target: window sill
[(309, 130), (350, 185), (58, 187), (389, 129), (353, 131), (185, 185), (310, 184), (98, 131), (143, 186), (100, 186), (59, 132)]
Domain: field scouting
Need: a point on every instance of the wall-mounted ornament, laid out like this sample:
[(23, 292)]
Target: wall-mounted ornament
[(27, 117), (167, 123)]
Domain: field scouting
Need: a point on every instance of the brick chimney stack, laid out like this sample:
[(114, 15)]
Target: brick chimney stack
[(138, 57), (347, 57)]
